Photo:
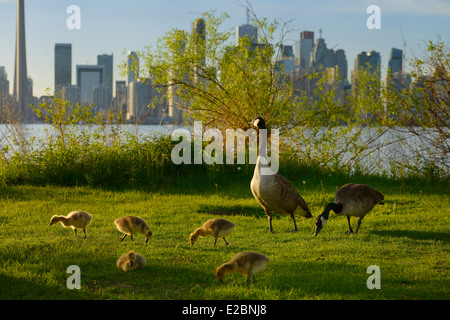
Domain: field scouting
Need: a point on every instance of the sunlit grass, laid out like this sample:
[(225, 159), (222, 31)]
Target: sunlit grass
[(408, 238)]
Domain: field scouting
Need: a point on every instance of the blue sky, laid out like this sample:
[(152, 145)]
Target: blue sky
[(113, 26)]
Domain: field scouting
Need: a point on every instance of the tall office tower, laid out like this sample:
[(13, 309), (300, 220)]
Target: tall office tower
[(396, 61), (198, 31), (304, 48), (247, 30), (133, 67), (121, 96), (88, 77), (139, 96), (321, 55), (71, 93), (101, 96), (341, 63), (4, 83), (63, 65), (107, 61), (20, 90), (370, 60)]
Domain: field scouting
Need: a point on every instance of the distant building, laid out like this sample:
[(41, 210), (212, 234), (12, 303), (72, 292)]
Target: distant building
[(247, 30), (133, 67), (4, 83), (340, 60), (321, 56), (303, 49), (106, 60), (396, 61), (121, 96), (63, 65), (89, 77), (71, 93), (102, 98), (370, 61), (198, 31), (139, 97)]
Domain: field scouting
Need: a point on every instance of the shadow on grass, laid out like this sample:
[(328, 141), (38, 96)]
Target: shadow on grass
[(413, 234), (219, 210)]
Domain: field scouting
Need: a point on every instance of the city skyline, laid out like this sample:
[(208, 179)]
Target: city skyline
[(115, 29)]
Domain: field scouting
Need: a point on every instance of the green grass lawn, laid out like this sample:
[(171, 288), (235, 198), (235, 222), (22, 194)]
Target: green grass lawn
[(408, 238)]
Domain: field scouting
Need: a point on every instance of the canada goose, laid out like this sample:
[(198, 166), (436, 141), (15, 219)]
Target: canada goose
[(75, 219), (215, 228), (273, 191), (247, 263), (131, 224), (352, 199), (131, 261)]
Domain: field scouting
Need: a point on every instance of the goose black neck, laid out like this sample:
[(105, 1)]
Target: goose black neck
[(336, 207)]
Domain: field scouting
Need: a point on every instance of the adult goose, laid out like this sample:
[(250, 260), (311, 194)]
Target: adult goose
[(351, 200), (274, 192)]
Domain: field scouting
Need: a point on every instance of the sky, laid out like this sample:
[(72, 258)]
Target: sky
[(115, 26)]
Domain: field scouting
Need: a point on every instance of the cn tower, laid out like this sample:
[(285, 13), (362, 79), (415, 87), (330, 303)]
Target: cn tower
[(20, 92)]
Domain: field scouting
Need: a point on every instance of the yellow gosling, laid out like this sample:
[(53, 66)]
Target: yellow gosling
[(247, 263), (75, 220), (130, 225), (216, 228), (131, 261)]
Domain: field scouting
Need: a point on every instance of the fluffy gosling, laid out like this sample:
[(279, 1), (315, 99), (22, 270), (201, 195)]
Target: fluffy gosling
[(75, 220), (215, 228), (130, 224), (131, 261), (247, 263)]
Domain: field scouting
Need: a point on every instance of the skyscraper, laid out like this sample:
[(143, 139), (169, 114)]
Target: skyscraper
[(305, 47), (396, 61), (20, 90), (341, 63), (89, 77), (133, 67), (198, 32), (4, 83), (107, 61), (321, 55), (370, 61), (63, 65), (139, 95)]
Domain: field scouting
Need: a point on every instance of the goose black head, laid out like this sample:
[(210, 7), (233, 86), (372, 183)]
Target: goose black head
[(259, 122), (322, 219), (320, 223)]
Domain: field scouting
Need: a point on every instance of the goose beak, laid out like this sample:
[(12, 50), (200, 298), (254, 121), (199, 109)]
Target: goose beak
[(317, 231)]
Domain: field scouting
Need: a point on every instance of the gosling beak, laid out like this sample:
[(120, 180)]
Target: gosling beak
[(221, 280), (131, 263), (146, 240)]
